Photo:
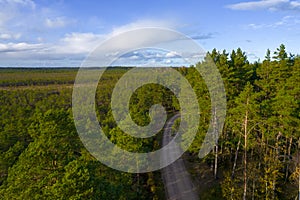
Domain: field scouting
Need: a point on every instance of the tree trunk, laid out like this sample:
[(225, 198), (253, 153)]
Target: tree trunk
[(288, 156), (216, 163), (284, 157), (299, 186), (235, 158), (216, 143), (253, 190), (245, 168), (276, 157), (245, 152)]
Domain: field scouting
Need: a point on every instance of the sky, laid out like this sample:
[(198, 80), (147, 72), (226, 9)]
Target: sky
[(62, 33)]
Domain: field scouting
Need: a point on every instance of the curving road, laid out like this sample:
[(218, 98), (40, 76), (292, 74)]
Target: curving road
[(177, 181)]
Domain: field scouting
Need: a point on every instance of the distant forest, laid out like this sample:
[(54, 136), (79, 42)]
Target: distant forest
[(257, 155)]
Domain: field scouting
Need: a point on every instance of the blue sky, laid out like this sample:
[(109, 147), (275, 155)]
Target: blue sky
[(54, 33)]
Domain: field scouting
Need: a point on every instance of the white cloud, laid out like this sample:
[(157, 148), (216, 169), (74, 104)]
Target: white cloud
[(172, 54), (75, 46), (272, 5), (57, 22), (255, 26), (8, 36), (5, 36), (134, 57), (27, 3), (13, 13), (295, 4), (143, 24), (144, 38), (287, 21), (81, 43), (168, 61), (78, 43), (16, 47), (25, 18)]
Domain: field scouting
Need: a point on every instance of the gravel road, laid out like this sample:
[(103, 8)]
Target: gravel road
[(177, 181)]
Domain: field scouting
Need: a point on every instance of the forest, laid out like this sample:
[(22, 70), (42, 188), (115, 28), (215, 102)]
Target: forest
[(257, 155)]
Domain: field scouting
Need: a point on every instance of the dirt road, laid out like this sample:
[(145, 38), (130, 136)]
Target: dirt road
[(177, 181)]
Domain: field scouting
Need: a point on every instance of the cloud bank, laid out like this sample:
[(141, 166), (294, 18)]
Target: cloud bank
[(272, 5)]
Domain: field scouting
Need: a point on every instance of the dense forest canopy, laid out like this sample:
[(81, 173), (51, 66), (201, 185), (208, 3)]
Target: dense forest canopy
[(257, 155)]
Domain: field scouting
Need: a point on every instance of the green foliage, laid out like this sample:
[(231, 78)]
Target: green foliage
[(41, 156), (262, 116), (231, 188)]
